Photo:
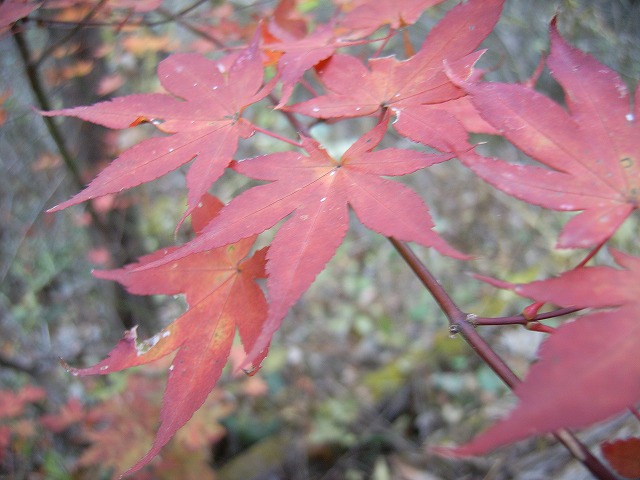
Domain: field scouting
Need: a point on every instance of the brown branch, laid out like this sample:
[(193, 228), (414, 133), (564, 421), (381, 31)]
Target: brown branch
[(448, 306), (464, 324)]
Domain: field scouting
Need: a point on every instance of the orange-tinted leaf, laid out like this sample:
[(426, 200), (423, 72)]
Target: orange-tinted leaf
[(220, 289), (297, 55), (204, 123), (12, 403), (121, 428), (596, 355), (140, 44), (624, 456), (593, 150)]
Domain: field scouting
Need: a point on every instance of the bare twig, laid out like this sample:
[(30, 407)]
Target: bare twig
[(180, 20)]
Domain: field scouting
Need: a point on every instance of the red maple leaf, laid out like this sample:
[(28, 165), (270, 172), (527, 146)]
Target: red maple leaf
[(368, 17), (206, 125), (285, 23), (593, 149), (222, 295), (315, 191), (296, 55), (624, 456), (355, 90), (588, 369)]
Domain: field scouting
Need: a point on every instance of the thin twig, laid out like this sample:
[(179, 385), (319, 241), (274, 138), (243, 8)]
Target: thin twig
[(522, 320), (79, 26), (177, 18)]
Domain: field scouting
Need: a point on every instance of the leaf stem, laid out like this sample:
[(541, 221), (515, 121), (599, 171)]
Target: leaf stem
[(291, 118), (522, 320), (591, 254), (385, 42), (276, 136)]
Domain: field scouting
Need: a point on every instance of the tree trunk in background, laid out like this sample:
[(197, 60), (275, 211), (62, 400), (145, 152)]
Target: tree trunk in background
[(93, 147)]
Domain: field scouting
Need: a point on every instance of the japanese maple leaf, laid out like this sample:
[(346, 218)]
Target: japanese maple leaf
[(297, 55), (206, 125), (371, 15), (315, 191), (116, 441), (220, 289), (592, 148), (286, 22), (355, 90), (588, 369)]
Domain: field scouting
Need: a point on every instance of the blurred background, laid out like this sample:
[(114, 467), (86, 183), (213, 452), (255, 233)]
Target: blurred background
[(363, 374)]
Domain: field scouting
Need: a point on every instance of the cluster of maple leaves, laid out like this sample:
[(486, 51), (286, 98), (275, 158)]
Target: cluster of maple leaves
[(589, 151), (97, 428)]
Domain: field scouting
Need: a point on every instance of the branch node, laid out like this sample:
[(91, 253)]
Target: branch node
[(453, 330), (472, 318)]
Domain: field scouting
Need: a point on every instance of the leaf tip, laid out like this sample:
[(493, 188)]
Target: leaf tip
[(455, 79), (54, 209), (494, 281)]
